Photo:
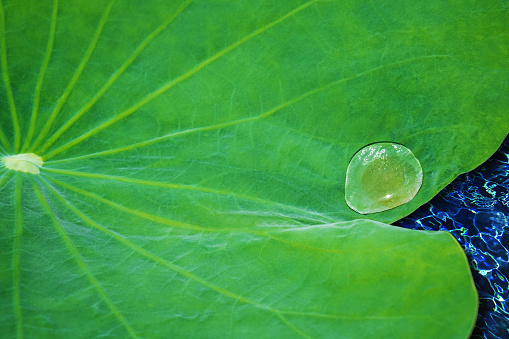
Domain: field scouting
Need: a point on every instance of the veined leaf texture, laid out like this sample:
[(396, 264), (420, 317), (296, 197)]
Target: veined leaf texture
[(194, 163)]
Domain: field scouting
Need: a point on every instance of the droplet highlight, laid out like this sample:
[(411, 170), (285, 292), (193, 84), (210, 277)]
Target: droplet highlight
[(382, 176), (26, 162)]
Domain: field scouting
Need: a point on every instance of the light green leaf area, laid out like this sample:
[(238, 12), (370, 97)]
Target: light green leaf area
[(194, 156)]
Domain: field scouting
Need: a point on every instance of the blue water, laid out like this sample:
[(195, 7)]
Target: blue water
[(475, 210)]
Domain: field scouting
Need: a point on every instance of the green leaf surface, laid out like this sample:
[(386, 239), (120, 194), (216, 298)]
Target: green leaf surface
[(195, 155)]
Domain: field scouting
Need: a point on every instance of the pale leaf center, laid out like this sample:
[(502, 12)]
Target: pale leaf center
[(26, 162)]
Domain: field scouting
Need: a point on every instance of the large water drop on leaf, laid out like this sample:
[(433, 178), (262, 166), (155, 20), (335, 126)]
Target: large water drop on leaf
[(382, 176)]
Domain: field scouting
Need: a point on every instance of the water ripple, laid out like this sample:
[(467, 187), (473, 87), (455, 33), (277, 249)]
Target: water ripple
[(475, 210)]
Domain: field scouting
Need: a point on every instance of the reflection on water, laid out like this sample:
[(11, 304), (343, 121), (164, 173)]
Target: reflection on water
[(475, 209)]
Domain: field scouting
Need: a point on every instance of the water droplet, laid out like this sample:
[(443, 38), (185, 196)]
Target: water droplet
[(26, 162), (382, 176)]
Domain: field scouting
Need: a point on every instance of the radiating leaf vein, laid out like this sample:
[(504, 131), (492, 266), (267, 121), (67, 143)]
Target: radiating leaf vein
[(6, 175), (16, 264), (40, 78), (187, 226), (3, 140), (112, 79), (61, 101), (321, 218), (171, 266), (243, 120), (172, 83), (79, 259), (144, 215), (7, 81)]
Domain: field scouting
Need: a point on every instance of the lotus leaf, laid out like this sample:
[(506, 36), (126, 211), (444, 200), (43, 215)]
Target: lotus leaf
[(193, 156)]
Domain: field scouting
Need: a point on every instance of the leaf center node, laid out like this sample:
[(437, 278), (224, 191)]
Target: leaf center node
[(25, 162)]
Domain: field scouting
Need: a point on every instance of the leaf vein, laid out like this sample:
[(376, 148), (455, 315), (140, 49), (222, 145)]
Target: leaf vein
[(40, 79), (16, 259), (187, 226), (187, 187), (291, 325), (242, 120), (172, 83), (4, 141), (147, 216), (7, 81), (173, 267), (5, 177), (113, 78), (79, 259), (74, 79)]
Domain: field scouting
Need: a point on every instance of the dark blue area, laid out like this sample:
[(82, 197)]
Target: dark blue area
[(475, 210)]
